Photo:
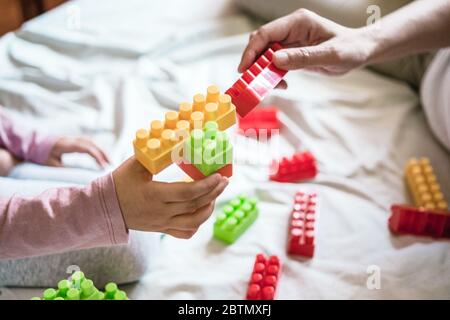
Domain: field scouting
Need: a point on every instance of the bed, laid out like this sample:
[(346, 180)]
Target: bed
[(111, 66)]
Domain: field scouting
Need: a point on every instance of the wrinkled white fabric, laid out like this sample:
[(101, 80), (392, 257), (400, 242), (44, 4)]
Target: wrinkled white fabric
[(133, 60)]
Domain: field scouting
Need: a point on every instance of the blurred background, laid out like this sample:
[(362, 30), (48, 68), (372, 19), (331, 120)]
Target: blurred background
[(16, 12)]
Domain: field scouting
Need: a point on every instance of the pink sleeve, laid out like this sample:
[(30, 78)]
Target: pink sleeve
[(24, 143), (60, 220)]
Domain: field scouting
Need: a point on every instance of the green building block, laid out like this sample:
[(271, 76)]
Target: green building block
[(81, 288), (236, 217), (209, 149)]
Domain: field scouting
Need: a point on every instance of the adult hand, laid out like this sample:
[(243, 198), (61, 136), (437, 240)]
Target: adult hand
[(312, 42), (176, 208), (70, 145)]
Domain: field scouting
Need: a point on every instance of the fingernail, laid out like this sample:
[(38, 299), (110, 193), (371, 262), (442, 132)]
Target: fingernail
[(281, 58)]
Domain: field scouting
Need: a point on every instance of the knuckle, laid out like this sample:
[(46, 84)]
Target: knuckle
[(303, 13), (262, 32)]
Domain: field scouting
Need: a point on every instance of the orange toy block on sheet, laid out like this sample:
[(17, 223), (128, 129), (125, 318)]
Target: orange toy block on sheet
[(423, 185), (161, 145)]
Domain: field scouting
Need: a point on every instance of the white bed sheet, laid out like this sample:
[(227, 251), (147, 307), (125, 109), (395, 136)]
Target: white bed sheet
[(132, 60)]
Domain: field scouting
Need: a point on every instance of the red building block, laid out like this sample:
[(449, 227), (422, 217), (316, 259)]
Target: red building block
[(302, 166), (262, 120), (255, 83), (264, 280), (301, 237), (196, 174), (406, 219)]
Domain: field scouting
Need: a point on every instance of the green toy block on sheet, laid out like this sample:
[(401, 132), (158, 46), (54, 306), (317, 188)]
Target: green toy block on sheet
[(236, 217), (81, 288), (209, 149)]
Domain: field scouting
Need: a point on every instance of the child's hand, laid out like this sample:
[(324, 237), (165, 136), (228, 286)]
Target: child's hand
[(70, 145), (177, 208)]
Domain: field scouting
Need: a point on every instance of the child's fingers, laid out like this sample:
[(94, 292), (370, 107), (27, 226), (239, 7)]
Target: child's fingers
[(182, 191), (191, 221), (195, 204), (180, 233)]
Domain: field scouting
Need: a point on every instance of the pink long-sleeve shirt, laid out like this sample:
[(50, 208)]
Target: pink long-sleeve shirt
[(60, 219)]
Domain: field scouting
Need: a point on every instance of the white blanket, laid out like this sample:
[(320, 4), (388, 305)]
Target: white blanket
[(106, 68)]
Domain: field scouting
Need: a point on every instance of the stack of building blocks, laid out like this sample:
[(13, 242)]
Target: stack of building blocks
[(256, 83), (264, 279), (429, 216), (300, 167), (261, 122), (159, 146), (419, 221), (207, 151), (301, 236), (236, 217), (81, 288)]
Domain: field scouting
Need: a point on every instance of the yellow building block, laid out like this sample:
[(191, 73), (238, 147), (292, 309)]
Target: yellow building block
[(423, 185), (159, 146)]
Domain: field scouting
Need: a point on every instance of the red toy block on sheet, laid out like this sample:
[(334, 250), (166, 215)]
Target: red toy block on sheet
[(302, 166), (256, 83), (301, 237), (196, 174), (406, 219), (264, 280), (261, 122)]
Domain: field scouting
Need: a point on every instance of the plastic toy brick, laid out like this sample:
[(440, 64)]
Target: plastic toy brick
[(423, 185), (236, 217), (195, 174), (154, 148), (264, 279), (406, 219), (81, 288), (301, 237), (261, 121), (255, 84), (302, 166), (207, 151)]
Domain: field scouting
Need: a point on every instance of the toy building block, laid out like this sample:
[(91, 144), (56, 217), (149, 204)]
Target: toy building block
[(406, 219), (256, 83), (236, 217), (302, 166), (261, 122), (81, 288), (160, 146), (301, 237), (264, 279), (207, 151), (423, 185)]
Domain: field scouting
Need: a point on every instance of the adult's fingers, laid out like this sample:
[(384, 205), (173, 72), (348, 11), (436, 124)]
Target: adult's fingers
[(182, 191), (282, 85), (195, 204), (274, 31), (191, 221), (304, 57)]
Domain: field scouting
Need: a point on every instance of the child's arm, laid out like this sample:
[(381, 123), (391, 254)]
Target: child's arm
[(30, 145), (23, 143), (98, 215), (61, 219)]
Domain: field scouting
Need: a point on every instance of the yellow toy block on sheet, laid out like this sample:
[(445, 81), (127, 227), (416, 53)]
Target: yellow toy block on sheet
[(154, 148), (423, 185)]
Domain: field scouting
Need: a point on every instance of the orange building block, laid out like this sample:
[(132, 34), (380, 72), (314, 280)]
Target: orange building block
[(423, 185), (159, 146)]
